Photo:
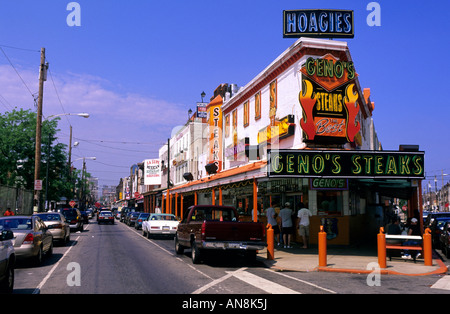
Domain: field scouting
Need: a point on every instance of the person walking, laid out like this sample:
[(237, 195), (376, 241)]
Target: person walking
[(286, 224), (303, 223)]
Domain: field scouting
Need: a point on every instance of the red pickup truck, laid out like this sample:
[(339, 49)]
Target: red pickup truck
[(211, 227)]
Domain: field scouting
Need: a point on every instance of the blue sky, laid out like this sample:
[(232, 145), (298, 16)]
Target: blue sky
[(138, 66)]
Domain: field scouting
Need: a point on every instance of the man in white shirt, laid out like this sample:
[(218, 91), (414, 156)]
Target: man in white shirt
[(303, 223)]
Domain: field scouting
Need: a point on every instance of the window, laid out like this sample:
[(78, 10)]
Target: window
[(246, 114), (258, 106)]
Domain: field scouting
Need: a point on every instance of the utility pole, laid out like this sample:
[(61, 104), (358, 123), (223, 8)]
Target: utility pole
[(37, 160)]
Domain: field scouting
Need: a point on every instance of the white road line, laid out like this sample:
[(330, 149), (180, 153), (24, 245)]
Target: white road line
[(302, 281), (443, 283), (263, 284), (42, 283), (217, 281)]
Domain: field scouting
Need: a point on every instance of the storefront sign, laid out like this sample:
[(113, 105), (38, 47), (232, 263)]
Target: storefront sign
[(328, 100), (328, 184), (215, 128), (152, 172), (318, 23), (201, 110), (345, 164), (281, 129)]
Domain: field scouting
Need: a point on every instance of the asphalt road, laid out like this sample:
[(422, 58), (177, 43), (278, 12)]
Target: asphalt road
[(117, 259)]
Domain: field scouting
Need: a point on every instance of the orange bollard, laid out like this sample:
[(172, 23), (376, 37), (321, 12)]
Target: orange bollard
[(427, 248), (322, 248), (270, 243), (381, 237)]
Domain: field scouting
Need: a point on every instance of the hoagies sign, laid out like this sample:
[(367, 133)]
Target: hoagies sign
[(346, 164)]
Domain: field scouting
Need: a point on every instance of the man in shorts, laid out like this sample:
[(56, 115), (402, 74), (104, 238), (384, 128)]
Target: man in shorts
[(286, 224), (303, 223)]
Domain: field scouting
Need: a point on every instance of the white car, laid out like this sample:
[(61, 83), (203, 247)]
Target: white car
[(160, 224)]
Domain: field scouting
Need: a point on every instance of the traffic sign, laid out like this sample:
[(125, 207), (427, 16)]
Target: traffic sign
[(72, 204)]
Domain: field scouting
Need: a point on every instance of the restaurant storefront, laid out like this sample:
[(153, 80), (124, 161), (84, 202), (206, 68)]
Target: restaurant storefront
[(302, 131)]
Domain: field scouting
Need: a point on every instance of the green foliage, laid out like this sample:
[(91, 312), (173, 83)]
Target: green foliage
[(17, 155)]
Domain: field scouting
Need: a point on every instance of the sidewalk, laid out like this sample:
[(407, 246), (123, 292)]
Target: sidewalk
[(351, 259)]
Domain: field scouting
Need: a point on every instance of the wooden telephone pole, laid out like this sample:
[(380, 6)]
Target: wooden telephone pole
[(37, 160)]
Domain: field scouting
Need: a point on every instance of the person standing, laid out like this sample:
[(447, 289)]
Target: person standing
[(272, 220), (303, 223), (286, 224), (8, 212)]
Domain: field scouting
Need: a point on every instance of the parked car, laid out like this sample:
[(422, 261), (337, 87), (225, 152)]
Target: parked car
[(132, 217), (445, 239), (124, 212), (57, 225), (32, 239), (7, 260), (436, 227), (160, 224), (140, 220), (74, 218), (105, 216)]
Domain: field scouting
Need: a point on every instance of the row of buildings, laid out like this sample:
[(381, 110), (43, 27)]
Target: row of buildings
[(302, 130)]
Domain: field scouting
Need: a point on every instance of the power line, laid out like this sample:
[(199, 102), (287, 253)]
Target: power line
[(32, 95)]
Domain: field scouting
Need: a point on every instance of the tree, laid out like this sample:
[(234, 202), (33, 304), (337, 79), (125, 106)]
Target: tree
[(17, 155)]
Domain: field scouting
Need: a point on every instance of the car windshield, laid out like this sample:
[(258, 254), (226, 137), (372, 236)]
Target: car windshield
[(106, 214), (16, 223), (163, 217), (69, 214), (49, 217)]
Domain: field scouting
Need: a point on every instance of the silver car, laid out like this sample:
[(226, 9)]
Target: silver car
[(57, 225), (32, 239)]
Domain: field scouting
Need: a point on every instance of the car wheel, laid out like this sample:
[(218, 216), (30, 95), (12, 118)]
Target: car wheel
[(195, 254), (7, 285), (447, 252), (179, 249)]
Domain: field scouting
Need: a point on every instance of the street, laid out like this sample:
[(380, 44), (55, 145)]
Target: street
[(117, 259)]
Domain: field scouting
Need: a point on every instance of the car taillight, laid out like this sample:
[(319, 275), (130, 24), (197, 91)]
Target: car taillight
[(203, 231), (57, 226), (28, 239)]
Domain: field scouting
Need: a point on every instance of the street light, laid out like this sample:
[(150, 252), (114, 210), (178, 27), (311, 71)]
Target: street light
[(83, 174), (38, 157)]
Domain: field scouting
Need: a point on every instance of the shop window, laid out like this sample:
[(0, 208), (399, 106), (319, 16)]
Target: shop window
[(329, 202)]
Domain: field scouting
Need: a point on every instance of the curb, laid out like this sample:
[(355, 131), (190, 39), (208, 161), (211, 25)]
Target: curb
[(442, 269)]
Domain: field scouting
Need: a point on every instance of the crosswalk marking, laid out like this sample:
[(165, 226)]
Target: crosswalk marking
[(443, 283), (263, 284)]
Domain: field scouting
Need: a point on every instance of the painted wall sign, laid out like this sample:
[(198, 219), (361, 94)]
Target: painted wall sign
[(346, 164), (318, 23), (328, 100)]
